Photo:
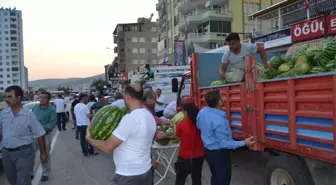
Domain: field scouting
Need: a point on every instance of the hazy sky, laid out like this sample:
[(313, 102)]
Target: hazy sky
[(68, 38)]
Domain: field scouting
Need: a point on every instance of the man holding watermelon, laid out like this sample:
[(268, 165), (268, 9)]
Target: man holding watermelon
[(131, 141), (232, 68)]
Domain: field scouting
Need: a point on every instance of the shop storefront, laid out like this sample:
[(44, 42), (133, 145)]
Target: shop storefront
[(278, 41), (311, 32)]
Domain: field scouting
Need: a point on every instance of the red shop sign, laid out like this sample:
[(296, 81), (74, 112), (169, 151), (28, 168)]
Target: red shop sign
[(124, 76), (312, 28)]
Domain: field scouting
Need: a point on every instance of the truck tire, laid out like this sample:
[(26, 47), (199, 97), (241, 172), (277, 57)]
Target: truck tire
[(287, 170)]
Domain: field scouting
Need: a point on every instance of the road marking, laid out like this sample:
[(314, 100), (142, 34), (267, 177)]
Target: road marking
[(38, 173)]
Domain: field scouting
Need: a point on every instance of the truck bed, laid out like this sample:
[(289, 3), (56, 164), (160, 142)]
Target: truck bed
[(294, 115)]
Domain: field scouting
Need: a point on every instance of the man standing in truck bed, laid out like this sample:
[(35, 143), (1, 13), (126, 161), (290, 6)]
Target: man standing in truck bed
[(232, 68)]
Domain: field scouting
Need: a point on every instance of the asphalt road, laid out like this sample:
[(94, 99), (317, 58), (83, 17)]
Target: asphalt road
[(69, 167)]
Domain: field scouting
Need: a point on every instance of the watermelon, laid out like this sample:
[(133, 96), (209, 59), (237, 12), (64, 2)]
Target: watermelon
[(275, 62), (105, 121), (178, 118), (301, 66), (331, 65), (218, 82), (329, 48), (311, 52), (299, 52), (317, 69), (321, 59), (270, 73), (163, 141), (170, 131), (285, 67)]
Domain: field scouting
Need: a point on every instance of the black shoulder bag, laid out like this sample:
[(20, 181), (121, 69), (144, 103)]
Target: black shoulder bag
[(185, 165)]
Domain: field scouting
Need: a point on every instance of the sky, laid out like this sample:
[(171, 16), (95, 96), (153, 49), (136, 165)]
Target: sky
[(68, 38)]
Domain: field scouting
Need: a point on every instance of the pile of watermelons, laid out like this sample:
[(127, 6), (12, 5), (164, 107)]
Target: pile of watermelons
[(105, 121), (308, 59), (144, 80), (168, 130)]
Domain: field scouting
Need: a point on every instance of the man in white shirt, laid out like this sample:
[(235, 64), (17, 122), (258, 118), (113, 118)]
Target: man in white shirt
[(159, 106), (83, 115), (60, 110), (119, 101), (131, 141), (170, 111)]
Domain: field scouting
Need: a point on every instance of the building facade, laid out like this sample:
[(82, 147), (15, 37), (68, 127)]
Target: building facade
[(12, 69), (26, 77), (205, 24), (136, 45)]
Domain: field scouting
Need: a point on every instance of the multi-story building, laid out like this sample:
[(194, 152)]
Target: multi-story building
[(284, 14), (12, 69), (205, 24), (136, 44), (26, 77)]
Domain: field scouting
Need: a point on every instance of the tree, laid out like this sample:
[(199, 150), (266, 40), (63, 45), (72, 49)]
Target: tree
[(99, 84)]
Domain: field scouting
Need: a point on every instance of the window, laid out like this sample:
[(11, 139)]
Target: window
[(142, 62), (142, 50), (135, 61), (134, 39), (154, 50), (246, 8), (142, 39), (154, 39), (135, 50), (154, 29), (154, 61)]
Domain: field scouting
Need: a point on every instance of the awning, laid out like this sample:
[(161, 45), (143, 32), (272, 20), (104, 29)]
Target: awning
[(301, 44)]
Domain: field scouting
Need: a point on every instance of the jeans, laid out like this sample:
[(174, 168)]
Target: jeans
[(159, 114), (76, 127), (61, 120), (220, 166), (86, 147), (196, 173)]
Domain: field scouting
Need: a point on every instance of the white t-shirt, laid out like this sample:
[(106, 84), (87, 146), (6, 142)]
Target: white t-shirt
[(60, 105), (136, 131), (159, 107), (170, 110), (81, 113), (119, 103)]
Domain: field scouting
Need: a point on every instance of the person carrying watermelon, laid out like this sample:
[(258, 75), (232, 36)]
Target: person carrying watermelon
[(232, 68), (131, 141)]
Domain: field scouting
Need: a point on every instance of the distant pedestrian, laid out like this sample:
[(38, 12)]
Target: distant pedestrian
[(130, 145), (19, 129), (160, 106), (119, 100), (92, 100), (60, 110), (99, 104), (46, 114), (83, 117), (73, 104), (217, 138)]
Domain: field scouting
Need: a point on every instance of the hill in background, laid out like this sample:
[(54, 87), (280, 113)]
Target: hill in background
[(66, 82)]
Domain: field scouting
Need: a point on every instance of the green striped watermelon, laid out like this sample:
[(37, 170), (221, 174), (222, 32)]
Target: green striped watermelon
[(105, 121)]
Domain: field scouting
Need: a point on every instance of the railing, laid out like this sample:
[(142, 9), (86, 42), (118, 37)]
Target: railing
[(287, 16), (219, 12)]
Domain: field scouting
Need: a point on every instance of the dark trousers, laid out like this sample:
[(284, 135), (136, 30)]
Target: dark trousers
[(61, 120), (196, 173), (86, 147), (159, 114), (220, 166), (76, 128)]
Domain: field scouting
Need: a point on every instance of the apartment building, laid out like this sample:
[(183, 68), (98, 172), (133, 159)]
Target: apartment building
[(284, 14), (136, 45), (26, 77), (12, 69), (205, 24)]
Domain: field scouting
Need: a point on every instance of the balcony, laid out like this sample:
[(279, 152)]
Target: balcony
[(115, 50), (160, 22), (185, 6), (191, 22), (115, 39), (207, 37)]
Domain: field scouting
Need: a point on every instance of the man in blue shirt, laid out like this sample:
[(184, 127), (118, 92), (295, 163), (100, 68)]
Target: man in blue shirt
[(217, 138)]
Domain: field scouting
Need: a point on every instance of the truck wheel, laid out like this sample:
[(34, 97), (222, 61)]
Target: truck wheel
[(287, 170)]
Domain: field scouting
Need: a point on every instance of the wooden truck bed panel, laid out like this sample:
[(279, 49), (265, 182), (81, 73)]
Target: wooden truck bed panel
[(299, 116)]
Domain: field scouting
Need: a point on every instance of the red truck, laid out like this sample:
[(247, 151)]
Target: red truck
[(293, 119)]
